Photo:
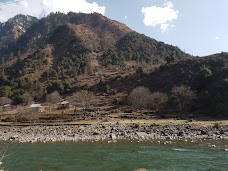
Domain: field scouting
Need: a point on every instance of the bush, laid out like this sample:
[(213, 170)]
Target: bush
[(26, 98), (139, 98), (139, 70), (222, 109), (53, 97), (182, 95), (5, 100), (157, 100), (5, 91)]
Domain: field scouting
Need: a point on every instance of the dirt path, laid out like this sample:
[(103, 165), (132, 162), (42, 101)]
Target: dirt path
[(121, 121)]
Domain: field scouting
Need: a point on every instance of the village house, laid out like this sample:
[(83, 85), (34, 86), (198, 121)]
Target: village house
[(37, 108), (64, 104)]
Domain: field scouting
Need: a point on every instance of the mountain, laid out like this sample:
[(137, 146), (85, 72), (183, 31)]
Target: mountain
[(48, 54), (96, 25), (11, 30), (68, 52)]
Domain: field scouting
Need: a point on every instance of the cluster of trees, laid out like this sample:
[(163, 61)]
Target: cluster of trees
[(113, 57), (21, 94), (71, 66), (19, 77), (142, 98), (137, 47), (206, 76), (33, 63)]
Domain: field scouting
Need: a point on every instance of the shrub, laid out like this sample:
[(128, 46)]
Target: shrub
[(53, 97), (157, 100), (182, 95), (139, 70), (139, 97)]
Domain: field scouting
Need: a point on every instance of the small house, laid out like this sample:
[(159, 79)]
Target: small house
[(64, 104), (6, 107), (37, 107)]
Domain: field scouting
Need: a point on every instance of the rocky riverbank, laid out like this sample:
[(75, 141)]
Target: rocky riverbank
[(111, 132)]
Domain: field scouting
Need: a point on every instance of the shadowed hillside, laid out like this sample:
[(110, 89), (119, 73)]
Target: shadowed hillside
[(207, 77)]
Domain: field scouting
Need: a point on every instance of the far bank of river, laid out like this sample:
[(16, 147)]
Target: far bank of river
[(113, 131)]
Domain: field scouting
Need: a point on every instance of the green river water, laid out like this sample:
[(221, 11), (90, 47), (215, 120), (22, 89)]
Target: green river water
[(121, 156)]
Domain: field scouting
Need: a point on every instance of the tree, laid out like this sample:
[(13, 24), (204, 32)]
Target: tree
[(205, 72), (26, 98), (182, 95), (56, 86), (139, 70), (222, 109), (5, 91), (86, 99), (40, 93), (5, 100), (139, 97), (53, 97), (170, 59), (157, 100), (202, 78)]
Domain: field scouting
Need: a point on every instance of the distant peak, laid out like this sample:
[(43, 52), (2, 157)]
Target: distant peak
[(21, 17)]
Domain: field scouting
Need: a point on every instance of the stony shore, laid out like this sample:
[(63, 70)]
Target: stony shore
[(111, 132)]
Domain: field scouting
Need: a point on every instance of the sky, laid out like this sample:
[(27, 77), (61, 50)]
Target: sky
[(198, 27)]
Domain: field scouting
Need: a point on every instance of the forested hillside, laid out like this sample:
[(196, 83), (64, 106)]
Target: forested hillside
[(65, 53), (51, 53), (207, 78)]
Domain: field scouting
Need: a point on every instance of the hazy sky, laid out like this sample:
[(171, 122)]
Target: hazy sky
[(200, 27)]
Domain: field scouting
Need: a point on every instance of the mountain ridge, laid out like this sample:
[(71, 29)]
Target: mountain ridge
[(54, 51), (12, 29), (75, 51)]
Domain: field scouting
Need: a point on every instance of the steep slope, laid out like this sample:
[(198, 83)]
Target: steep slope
[(138, 47), (39, 33), (11, 30), (55, 50)]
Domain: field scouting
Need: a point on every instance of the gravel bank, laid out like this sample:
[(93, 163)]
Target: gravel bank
[(111, 132)]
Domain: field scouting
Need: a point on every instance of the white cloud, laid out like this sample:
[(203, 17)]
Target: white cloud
[(164, 27), (125, 17), (40, 8), (168, 4), (216, 37), (159, 16)]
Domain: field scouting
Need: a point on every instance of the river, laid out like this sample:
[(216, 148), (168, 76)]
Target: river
[(120, 156)]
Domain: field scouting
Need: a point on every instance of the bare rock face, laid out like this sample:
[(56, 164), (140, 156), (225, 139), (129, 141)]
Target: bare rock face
[(12, 29)]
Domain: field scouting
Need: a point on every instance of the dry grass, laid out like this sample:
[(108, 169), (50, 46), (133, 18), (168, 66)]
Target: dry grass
[(113, 121)]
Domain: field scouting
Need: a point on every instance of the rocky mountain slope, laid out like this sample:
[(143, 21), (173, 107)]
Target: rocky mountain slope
[(58, 48), (11, 30), (68, 52)]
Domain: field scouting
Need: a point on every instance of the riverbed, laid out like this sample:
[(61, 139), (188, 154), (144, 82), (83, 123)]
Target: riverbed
[(112, 132)]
